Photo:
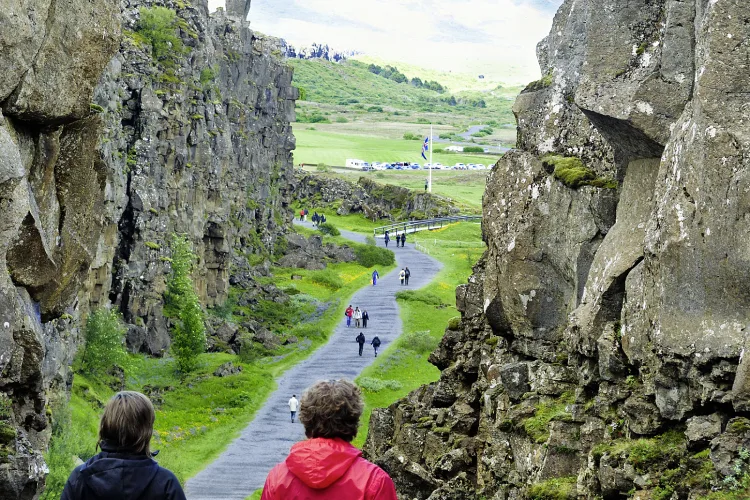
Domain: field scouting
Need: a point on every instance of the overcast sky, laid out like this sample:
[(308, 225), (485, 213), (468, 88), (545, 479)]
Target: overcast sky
[(489, 36)]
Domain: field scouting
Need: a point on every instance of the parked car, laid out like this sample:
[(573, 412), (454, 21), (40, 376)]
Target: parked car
[(437, 166), (389, 166), (481, 166), (415, 166), (459, 166)]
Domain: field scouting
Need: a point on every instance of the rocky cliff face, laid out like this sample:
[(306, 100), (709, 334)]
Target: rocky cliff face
[(106, 151), (600, 348), (373, 200)]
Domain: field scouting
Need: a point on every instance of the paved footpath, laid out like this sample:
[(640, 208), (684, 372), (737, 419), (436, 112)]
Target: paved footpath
[(266, 441)]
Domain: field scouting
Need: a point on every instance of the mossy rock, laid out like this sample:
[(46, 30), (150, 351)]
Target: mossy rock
[(558, 488), (573, 173), (7, 433), (454, 323)]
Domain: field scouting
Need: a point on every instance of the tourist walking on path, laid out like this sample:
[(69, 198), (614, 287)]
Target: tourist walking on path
[(361, 341), (375, 277), (402, 275), (348, 313), (403, 239), (125, 467), (293, 405), (301, 214), (305, 217), (398, 239), (357, 317), (375, 344), (407, 273), (387, 238), (365, 318), (326, 465)]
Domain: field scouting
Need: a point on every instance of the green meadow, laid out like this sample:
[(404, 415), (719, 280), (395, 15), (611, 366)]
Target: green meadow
[(333, 149)]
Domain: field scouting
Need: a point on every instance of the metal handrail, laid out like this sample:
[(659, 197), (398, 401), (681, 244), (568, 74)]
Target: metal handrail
[(428, 224)]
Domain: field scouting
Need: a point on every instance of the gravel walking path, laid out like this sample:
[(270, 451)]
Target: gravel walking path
[(266, 441)]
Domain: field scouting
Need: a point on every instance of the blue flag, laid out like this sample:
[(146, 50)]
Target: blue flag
[(425, 146)]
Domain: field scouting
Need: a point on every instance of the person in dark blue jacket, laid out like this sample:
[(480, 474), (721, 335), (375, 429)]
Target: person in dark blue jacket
[(125, 469)]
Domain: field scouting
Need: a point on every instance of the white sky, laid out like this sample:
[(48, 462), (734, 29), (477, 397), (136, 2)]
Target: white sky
[(495, 37)]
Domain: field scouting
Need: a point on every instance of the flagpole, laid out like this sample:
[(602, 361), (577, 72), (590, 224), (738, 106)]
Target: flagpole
[(429, 183)]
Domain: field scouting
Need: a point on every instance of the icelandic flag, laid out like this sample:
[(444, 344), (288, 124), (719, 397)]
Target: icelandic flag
[(425, 146)]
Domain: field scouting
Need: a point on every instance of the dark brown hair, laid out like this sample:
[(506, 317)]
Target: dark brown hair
[(128, 422), (331, 410)]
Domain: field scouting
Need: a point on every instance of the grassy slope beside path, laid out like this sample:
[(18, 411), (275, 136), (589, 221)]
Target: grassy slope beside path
[(403, 366)]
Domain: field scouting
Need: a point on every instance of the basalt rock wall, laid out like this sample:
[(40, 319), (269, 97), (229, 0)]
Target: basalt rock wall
[(373, 200), (105, 152), (600, 351)]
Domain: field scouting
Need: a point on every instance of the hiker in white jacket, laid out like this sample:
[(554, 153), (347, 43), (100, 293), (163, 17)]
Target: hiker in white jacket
[(293, 405)]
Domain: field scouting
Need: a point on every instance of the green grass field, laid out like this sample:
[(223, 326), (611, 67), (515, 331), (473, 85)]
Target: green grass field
[(403, 366), (330, 148)]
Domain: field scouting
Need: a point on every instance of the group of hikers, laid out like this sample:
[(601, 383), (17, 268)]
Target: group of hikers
[(400, 239), (361, 317), (361, 340), (317, 218), (325, 465)]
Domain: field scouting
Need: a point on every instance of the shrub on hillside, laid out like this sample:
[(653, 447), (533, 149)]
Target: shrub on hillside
[(408, 136), (327, 278), (329, 229), (417, 296), (375, 109), (157, 25), (105, 334), (473, 149), (372, 384), (370, 240), (420, 342), (371, 256)]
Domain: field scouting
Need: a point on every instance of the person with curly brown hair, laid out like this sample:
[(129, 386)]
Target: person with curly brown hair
[(326, 465)]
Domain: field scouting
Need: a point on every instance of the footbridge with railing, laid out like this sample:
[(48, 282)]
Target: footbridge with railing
[(422, 225)]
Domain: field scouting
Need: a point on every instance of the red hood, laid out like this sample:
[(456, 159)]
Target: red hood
[(320, 462)]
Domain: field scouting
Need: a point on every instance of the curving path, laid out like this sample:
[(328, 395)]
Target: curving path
[(266, 441)]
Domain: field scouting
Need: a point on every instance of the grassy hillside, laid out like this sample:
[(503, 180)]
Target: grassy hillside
[(455, 81), (349, 87)]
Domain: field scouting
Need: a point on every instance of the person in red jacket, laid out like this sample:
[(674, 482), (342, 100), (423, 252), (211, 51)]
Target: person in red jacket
[(326, 465)]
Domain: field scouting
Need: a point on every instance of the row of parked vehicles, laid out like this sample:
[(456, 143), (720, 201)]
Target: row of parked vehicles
[(402, 165)]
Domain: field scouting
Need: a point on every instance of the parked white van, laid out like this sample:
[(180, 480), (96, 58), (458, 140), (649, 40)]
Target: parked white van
[(352, 163)]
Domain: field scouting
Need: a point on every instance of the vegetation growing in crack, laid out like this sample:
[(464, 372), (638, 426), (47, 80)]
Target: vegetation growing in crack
[(573, 173), (183, 306)]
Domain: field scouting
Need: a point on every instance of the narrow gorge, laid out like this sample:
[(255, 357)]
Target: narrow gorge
[(600, 348), (110, 143)]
